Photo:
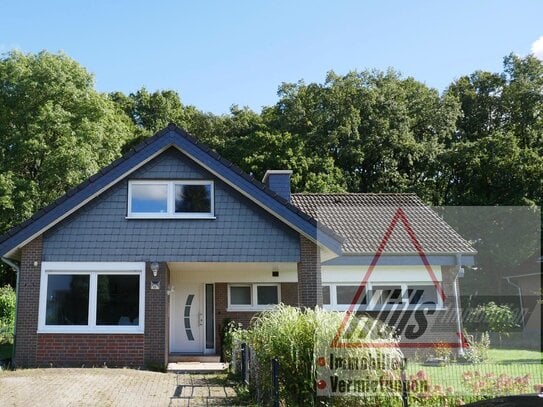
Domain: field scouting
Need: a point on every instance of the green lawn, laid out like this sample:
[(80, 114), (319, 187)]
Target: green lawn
[(514, 356), (5, 351), (512, 362)]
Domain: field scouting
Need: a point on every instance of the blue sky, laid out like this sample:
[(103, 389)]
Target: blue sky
[(217, 53)]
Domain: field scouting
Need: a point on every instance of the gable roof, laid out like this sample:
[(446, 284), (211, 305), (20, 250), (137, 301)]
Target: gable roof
[(144, 152), (362, 220)]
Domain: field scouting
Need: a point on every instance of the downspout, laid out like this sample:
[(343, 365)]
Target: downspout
[(17, 269), (459, 271), (520, 299)]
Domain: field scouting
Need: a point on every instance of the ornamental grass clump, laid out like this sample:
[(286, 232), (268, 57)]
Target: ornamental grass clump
[(298, 338)]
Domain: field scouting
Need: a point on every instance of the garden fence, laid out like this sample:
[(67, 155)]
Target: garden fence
[(421, 382)]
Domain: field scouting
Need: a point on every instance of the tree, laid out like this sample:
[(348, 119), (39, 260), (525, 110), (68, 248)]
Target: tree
[(383, 132), (55, 131), (496, 156), (498, 318), (151, 112)]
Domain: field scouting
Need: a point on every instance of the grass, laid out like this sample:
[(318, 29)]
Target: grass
[(508, 356), (512, 362), (5, 351)]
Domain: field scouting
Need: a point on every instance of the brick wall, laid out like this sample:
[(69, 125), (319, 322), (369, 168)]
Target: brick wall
[(157, 305), (289, 296), (28, 302), (289, 293), (309, 274), (90, 350)]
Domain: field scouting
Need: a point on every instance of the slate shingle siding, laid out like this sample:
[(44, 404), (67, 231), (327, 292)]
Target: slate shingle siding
[(280, 183), (241, 232)]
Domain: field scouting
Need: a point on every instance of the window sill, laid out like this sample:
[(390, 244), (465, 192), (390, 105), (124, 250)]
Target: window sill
[(329, 307), (168, 216), (89, 331), (249, 309)]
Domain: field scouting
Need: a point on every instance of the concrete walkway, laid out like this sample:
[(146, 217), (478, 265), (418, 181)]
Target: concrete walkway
[(112, 387)]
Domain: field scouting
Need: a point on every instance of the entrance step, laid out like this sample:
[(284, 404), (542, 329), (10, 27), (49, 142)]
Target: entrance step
[(194, 358), (197, 367)]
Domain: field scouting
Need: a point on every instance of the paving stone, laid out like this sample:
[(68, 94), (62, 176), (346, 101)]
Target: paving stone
[(111, 387)]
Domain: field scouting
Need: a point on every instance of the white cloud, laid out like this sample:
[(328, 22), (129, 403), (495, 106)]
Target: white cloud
[(537, 48)]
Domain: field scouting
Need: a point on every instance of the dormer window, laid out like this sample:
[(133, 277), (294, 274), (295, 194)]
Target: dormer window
[(171, 199)]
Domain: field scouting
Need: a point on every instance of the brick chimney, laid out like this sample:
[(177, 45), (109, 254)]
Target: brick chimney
[(279, 182)]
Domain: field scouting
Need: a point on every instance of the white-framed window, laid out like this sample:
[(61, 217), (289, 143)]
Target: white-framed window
[(250, 297), (193, 199), (92, 297), (380, 296)]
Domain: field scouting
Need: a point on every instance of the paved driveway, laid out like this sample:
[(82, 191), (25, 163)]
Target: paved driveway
[(111, 387)]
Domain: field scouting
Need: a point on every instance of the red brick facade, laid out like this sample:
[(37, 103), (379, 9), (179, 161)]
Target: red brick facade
[(289, 296), (33, 349), (157, 322), (90, 350), (27, 304), (152, 347), (309, 271)]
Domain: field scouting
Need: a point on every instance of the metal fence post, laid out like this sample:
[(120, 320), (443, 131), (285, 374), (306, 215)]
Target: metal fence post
[(244, 362), (275, 379), (405, 393)]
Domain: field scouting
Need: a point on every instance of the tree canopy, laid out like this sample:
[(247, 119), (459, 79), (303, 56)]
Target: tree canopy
[(55, 131), (480, 142)]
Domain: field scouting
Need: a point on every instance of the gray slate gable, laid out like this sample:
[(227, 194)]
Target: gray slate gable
[(12, 241), (241, 232)]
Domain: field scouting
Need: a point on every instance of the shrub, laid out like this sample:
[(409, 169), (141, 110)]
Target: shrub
[(293, 335), (477, 351), (498, 318), (7, 313)]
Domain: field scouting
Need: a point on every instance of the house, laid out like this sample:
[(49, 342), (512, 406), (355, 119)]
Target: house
[(151, 256)]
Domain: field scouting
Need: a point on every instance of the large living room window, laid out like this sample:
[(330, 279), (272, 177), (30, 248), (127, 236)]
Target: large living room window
[(170, 199), (380, 296), (250, 297), (92, 297)]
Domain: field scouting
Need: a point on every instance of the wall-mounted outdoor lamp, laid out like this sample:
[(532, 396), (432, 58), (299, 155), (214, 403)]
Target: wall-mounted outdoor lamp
[(154, 268), (155, 282)]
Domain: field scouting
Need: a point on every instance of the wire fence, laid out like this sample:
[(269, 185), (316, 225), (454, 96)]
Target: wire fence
[(484, 379), (421, 384)]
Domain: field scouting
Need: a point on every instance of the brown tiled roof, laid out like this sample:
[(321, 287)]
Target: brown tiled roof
[(362, 219)]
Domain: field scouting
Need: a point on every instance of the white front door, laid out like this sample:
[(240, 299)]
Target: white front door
[(187, 318)]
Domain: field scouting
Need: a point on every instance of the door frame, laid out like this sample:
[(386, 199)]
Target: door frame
[(203, 350)]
